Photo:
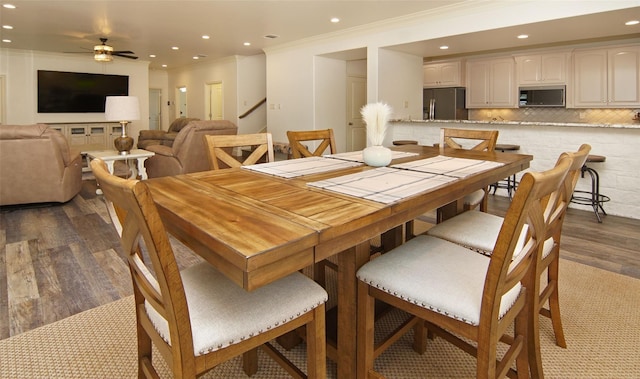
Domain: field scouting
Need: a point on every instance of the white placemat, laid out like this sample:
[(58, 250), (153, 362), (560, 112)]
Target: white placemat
[(356, 156), (384, 185), (449, 166), (293, 168)]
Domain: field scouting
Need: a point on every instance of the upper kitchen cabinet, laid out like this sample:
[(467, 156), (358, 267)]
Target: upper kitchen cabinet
[(443, 74), (607, 77), (542, 69), (491, 83)]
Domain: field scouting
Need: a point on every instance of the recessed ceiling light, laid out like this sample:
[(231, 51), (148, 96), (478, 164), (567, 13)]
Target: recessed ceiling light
[(205, 37), (152, 55), (523, 36), (164, 65), (632, 22), (196, 57), (335, 20), (247, 43), (6, 40), (9, 6), (175, 48), (444, 47), (7, 27)]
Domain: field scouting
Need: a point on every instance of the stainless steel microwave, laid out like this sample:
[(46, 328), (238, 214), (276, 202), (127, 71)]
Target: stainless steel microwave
[(542, 97)]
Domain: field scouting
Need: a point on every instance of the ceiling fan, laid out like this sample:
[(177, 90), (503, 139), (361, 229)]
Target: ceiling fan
[(105, 53)]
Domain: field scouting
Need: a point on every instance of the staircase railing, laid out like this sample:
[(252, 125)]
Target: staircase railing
[(245, 114)]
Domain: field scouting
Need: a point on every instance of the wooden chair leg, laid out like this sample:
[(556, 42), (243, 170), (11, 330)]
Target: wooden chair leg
[(365, 333), (316, 348), (554, 303), (521, 324), (145, 366), (420, 338), (250, 362)]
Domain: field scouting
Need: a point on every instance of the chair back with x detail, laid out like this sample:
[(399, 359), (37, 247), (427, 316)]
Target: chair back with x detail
[(325, 137), (198, 318), (260, 145)]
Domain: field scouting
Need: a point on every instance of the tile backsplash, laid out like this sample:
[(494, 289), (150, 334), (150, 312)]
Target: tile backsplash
[(592, 116)]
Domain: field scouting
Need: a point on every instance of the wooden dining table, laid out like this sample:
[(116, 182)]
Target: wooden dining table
[(257, 228)]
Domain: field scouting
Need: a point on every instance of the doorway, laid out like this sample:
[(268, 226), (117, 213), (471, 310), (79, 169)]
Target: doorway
[(181, 102), (155, 109), (356, 99), (213, 101)]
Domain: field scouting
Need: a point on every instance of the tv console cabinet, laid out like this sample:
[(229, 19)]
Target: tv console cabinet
[(98, 134)]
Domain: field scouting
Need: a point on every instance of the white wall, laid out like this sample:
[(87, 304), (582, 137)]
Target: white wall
[(20, 69), (330, 99), (619, 174), (398, 85), (252, 88)]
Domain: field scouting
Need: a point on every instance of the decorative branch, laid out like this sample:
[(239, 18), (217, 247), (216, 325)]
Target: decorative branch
[(376, 116)]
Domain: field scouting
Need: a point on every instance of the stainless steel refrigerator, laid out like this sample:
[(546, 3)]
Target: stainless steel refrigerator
[(444, 104)]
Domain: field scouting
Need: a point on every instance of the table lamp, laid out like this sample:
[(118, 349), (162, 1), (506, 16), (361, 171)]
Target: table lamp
[(123, 109)]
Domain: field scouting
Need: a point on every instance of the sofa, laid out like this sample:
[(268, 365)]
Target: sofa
[(188, 152), (162, 137), (37, 165)]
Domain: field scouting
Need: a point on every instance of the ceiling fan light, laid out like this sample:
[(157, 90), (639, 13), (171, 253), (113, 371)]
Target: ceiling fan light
[(103, 57), (102, 53)]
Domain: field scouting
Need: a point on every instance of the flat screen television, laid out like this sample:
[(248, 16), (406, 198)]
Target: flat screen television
[(76, 92)]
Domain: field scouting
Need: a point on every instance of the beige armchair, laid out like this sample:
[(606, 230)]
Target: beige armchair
[(188, 152), (161, 137), (37, 166)]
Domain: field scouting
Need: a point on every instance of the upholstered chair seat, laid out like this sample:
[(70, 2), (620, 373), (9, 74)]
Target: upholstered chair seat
[(437, 275), (223, 314), (478, 231)]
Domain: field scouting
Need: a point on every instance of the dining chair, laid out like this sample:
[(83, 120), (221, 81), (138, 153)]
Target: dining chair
[(480, 140), (220, 149), (325, 138), (479, 232), (461, 296), (197, 318)]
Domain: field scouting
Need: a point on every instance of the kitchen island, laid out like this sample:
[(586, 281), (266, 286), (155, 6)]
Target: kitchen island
[(619, 143)]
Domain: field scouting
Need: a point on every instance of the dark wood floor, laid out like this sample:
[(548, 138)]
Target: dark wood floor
[(59, 260)]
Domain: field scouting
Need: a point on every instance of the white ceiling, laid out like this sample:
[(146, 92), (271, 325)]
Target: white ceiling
[(154, 26)]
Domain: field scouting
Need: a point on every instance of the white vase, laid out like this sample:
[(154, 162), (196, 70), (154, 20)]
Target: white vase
[(376, 156)]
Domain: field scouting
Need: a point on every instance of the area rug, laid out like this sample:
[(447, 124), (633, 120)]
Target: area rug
[(601, 315)]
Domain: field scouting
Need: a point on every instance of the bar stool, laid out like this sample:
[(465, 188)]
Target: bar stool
[(404, 142), (594, 198), (510, 183)]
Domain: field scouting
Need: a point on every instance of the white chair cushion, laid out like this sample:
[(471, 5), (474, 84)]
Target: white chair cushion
[(474, 197), (435, 274), (222, 313), (479, 231)]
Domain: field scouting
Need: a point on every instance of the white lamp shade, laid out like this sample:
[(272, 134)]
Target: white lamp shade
[(122, 108)]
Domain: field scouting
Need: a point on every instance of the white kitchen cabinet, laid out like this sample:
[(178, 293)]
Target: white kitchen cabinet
[(491, 83), (607, 77), (443, 74), (542, 69)]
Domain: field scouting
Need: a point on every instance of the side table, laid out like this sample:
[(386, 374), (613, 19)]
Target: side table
[(111, 156)]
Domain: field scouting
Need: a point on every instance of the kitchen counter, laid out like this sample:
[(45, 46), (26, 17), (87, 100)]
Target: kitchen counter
[(635, 125), (619, 143)]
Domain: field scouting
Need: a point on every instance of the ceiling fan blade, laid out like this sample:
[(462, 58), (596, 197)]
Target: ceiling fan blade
[(122, 52), (125, 56)]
